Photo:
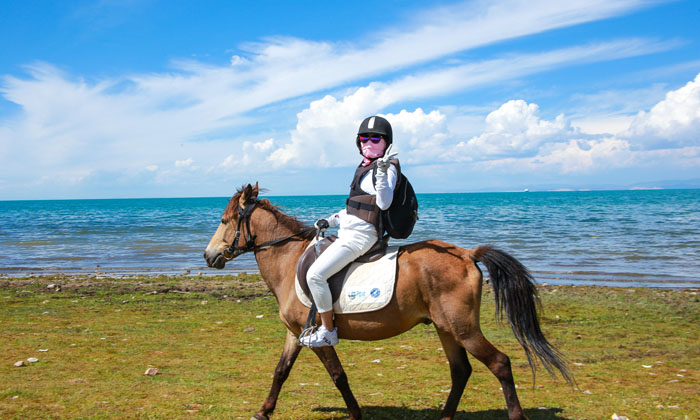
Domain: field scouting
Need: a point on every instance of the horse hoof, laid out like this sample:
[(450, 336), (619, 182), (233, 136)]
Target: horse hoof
[(259, 417)]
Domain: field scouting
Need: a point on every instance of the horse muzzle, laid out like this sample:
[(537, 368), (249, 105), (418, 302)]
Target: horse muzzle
[(215, 259)]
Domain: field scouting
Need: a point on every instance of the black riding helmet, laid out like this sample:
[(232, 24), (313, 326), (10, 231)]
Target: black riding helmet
[(377, 125)]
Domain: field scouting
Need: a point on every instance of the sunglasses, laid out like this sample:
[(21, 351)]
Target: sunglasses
[(365, 139)]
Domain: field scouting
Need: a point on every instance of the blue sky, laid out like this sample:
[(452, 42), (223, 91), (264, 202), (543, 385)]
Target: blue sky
[(107, 99)]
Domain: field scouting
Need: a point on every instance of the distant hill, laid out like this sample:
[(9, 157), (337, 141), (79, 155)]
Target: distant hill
[(647, 185), (667, 185)]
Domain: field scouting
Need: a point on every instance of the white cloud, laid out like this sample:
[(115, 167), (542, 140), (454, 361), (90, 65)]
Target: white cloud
[(671, 130), (612, 102), (673, 122), (124, 124), (514, 136), (262, 146), (252, 156), (419, 137), (280, 68), (237, 60), (580, 157), (602, 124), (68, 177), (326, 130), (518, 140), (328, 118), (82, 124), (516, 128), (483, 73), (468, 24), (577, 156), (183, 163)]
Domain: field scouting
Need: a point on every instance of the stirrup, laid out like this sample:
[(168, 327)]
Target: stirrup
[(306, 333), (310, 326)]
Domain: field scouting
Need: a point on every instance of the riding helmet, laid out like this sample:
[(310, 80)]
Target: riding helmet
[(378, 125)]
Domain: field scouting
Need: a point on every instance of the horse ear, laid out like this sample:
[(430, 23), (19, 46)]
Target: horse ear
[(256, 190), (247, 194)]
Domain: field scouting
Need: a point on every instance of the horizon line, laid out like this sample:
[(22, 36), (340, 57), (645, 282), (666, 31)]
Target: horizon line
[(526, 190)]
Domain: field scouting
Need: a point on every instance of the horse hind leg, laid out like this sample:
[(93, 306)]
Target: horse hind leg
[(289, 356), (499, 364), (460, 371), (330, 361)]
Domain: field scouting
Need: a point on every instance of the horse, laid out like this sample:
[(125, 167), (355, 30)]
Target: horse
[(436, 283)]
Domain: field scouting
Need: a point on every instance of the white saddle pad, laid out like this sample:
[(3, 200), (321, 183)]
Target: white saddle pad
[(367, 287)]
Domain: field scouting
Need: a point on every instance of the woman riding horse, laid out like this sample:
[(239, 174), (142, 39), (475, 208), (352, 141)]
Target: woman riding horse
[(371, 191), (436, 283)]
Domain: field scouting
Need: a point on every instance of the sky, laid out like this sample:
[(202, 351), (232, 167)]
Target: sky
[(150, 98)]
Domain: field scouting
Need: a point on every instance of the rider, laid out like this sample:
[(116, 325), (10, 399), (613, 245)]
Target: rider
[(360, 222)]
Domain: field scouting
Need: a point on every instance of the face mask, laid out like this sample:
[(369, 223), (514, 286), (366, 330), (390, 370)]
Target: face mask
[(371, 150)]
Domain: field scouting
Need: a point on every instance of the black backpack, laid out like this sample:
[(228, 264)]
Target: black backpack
[(400, 218)]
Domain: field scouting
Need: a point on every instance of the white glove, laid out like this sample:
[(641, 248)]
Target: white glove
[(383, 162)]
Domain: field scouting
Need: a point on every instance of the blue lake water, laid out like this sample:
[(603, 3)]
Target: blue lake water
[(633, 238)]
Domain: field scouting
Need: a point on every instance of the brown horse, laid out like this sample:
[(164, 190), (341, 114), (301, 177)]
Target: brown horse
[(436, 283)]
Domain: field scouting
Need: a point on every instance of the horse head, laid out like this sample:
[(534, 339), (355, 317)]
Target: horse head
[(216, 253)]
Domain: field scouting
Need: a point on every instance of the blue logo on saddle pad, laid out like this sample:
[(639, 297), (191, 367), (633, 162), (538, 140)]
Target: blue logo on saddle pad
[(356, 294), (375, 293)]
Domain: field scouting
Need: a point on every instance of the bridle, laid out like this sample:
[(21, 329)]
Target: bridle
[(244, 216)]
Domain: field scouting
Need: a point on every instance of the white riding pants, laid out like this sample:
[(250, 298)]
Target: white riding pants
[(350, 245)]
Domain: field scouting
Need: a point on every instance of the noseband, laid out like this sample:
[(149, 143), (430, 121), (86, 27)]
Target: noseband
[(244, 216)]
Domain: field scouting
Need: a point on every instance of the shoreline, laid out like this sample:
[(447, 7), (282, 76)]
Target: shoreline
[(216, 280), (242, 286)]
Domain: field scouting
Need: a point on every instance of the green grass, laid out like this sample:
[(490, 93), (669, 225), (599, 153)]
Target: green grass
[(215, 356)]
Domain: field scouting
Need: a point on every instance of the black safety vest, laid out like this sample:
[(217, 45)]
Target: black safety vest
[(364, 205)]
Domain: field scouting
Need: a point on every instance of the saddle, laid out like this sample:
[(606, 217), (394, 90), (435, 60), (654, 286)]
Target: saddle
[(336, 281)]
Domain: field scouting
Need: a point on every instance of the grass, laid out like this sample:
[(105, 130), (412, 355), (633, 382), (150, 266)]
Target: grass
[(634, 352)]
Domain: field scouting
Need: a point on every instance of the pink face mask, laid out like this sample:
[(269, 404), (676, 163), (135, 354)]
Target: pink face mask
[(371, 150)]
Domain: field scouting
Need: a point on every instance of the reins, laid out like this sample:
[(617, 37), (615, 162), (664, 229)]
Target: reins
[(244, 215)]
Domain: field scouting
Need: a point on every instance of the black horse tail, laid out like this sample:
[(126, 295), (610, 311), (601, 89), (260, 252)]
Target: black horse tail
[(515, 292)]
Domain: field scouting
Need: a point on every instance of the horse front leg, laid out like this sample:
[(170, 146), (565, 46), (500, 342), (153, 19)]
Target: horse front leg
[(330, 360), (289, 355)]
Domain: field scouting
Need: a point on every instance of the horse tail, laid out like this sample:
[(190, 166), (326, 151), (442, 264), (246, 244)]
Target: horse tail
[(516, 293)]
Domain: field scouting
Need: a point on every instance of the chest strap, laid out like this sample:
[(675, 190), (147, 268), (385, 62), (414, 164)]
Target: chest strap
[(358, 205)]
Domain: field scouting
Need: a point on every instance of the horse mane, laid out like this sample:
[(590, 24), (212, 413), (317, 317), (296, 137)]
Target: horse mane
[(291, 222)]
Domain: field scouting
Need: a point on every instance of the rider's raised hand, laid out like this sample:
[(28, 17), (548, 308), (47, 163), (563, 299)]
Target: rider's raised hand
[(383, 162)]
